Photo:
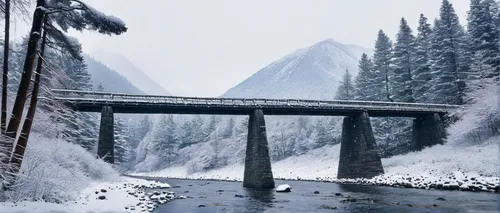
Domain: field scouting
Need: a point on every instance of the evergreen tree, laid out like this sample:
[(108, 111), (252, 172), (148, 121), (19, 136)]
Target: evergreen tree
[(364, 90), (422, 75), (164, 138), (382, 68), (345, 90), (122, 144), (478, 77), (242, 128), (193, 132), (229, 129), (404, 64), (100, 88), (211, 127), (322, 137), (186, 134), (449, 58), (484, 34), (301, 135), (138, 131)]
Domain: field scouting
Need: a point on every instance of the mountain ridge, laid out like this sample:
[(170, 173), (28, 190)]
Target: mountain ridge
[(308, 73), (129, 70)]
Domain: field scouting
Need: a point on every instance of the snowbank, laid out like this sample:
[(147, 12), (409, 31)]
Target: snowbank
[(121, 195), (63, 177), (468, 160), (440, 163), (57, 171)]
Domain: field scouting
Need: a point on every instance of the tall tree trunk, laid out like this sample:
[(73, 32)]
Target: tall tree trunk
[(17, 111), (17, 158), (3, 119)]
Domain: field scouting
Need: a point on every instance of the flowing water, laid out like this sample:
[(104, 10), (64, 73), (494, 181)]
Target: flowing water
[(220, 196)]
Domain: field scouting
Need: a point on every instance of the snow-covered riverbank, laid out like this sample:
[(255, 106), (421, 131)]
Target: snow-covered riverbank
[(450, 166), (122, 195)]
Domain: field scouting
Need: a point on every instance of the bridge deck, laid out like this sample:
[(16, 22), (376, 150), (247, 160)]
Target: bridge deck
[(88, 101)]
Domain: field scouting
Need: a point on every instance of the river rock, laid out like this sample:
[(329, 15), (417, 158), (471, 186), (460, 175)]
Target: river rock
[(441, 199)]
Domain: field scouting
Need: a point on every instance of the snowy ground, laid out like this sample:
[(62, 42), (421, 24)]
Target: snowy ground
[(473, 166), (122, 195)]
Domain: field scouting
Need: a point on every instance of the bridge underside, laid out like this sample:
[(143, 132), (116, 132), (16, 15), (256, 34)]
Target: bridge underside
[(248, 110), (359, 157)]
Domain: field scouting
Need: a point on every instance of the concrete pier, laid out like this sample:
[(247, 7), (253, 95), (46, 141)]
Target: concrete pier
[(359, 157), (105, 147), (258, 172)]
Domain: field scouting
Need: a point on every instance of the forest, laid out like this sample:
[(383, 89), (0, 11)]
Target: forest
[(443, 61)]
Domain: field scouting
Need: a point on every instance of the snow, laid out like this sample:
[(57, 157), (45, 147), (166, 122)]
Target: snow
[(56, 170), (440, 163), (283, 188), (102, 16), (309, 73), (117, 198)]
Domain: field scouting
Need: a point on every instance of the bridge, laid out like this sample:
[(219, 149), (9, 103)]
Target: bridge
[(358, 153)]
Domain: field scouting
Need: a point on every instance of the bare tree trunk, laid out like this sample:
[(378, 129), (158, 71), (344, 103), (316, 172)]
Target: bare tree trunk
[(17, 111), (3, 119), (17, 158)]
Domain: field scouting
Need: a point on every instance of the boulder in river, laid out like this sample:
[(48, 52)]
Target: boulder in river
[(284, 188)]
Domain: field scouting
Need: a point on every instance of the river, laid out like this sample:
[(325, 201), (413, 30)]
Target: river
[(219, 196)]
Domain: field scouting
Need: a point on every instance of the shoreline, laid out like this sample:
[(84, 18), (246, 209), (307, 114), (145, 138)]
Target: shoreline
[(445, 186)]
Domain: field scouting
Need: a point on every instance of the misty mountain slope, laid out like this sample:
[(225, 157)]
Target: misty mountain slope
[(110, 80), (309, 73), (130, 71)]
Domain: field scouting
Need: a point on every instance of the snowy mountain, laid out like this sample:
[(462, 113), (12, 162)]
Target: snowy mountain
[(110, 80), (309, 73), (130, 71)]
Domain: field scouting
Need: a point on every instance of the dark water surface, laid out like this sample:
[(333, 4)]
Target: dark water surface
[(221, 197)]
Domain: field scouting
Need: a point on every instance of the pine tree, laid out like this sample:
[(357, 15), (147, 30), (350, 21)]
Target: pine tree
[(479, 76), (186, 134), (122, 144), (139, 130), (383, 68), (364, 90), (164, 138), (484, 34), (211, 127), (301, 135), (229, 129), (322, 137), (404, 64), (345, 90), (449, 58), (422, 75)]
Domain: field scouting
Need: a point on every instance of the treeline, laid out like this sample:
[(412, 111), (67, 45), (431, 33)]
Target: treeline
[(46, 58), (441, 63)]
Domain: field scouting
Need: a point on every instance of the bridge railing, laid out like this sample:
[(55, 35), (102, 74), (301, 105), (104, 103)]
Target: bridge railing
[(77, 95)]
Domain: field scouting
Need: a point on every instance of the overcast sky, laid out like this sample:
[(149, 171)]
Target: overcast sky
[(203, 48)]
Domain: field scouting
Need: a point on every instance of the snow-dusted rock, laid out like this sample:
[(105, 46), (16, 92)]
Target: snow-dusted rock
[(284, 188)]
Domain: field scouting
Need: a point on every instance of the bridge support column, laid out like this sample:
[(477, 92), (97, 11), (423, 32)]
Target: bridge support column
[(427, 131), (258, 173), (105, 147), (359, 157)]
